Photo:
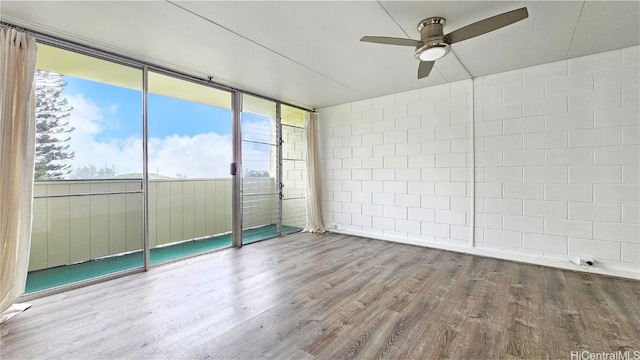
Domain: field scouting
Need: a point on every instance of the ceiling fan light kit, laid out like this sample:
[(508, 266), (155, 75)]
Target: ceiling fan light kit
[(432, 50), (433, 44)]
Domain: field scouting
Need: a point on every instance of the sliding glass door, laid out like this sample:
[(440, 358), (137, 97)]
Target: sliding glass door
[(189, 152), (260, 187), (273, 169), (88, 195)]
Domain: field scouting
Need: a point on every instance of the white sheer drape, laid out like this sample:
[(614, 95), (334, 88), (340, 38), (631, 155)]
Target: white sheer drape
[(17, 145), (314, 188)]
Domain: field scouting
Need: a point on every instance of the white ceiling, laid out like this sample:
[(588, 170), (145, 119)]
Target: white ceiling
[(309, 53)]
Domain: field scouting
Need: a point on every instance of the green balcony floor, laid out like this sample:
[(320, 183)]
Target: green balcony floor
[(62, 275)]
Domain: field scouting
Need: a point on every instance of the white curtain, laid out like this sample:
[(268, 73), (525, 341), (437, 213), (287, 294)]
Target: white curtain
[(314, 188), (17, 145)]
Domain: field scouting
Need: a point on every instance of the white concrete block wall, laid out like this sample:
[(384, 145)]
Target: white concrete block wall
[(556, 164), (399, 167), (294, 173), (552, 157)]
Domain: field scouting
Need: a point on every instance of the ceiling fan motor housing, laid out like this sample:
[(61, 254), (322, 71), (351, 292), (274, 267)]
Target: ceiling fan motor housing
[(432, 26), (433, 44)]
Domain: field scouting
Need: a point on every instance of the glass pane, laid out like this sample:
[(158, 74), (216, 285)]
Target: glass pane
[(260, 194), (292, 116), (190, 149), (87, 128), (88, 201)]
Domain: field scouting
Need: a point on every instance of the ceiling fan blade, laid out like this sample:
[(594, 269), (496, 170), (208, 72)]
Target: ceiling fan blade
[(390, 40), (487, 25), (425, 68)]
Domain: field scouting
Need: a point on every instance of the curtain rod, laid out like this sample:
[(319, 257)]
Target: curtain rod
[(130, 61), (4, 25)]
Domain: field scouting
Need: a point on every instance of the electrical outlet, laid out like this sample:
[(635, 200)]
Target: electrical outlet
[(584, 261), (333, 226)]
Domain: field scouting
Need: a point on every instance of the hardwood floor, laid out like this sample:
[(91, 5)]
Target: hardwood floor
[(331, 296)]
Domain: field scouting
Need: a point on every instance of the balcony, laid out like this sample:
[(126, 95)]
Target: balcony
[(78, 235)]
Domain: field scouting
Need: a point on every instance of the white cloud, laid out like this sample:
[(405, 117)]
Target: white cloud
[(256, 149), (259, 131), (88, 120), (86, 116), (199, 156), (205, 155)]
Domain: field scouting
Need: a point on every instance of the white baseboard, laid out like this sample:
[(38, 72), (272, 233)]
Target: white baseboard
[(630, 272)]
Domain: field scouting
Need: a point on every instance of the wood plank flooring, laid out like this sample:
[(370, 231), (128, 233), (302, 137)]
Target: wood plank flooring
[(332, 296)]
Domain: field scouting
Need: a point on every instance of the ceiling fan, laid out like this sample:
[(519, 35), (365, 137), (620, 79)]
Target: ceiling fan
[(433, 44)]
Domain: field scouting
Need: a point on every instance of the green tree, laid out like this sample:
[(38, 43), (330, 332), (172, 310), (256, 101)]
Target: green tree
[(256, 173), (92, 172), (52, 128)]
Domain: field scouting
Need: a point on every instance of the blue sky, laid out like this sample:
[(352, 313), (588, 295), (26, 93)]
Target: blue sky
[(166, 116), (185, 138)]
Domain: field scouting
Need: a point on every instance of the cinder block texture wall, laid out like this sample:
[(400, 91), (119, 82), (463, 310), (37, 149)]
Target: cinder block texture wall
[(554, 149)]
